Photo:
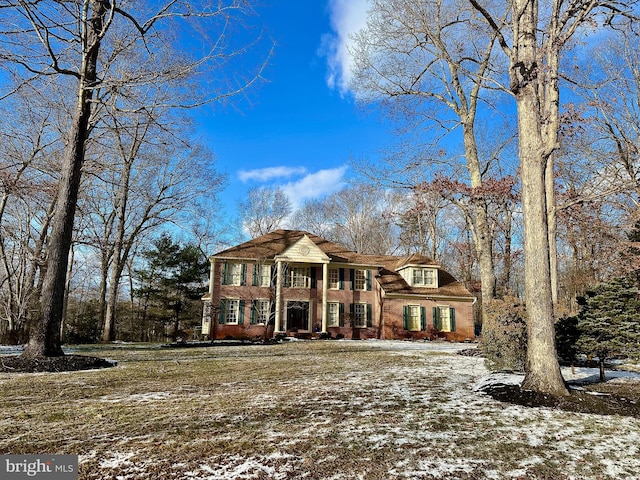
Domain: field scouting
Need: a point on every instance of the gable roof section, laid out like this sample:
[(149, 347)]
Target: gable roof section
[(415, 259), (393, 283), (268, 246), (275, 243)]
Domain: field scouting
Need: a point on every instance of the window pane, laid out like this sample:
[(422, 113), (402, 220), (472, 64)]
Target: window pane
[(428, 277), (360, 281), (360, 315), (423, 276), (232, 311), (300, 277), (333, 314), (235, 273), (445, 320), (334, 278), (265, 275), (414, 317), (262, 314)]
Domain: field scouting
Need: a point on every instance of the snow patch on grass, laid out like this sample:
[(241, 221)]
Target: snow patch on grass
[(335, 410), (136, 397)]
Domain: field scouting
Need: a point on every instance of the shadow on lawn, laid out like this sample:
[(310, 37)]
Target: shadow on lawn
[(65, 363)]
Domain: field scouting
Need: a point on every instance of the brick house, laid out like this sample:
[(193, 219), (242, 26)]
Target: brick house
[(295, 283)]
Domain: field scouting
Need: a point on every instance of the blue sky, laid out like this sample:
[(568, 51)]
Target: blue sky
[(301, 129)]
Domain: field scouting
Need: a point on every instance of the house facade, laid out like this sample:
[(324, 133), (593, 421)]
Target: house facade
[(294, 283)]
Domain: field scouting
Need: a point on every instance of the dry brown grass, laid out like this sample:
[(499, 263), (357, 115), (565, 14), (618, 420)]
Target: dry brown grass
[(316, 410)]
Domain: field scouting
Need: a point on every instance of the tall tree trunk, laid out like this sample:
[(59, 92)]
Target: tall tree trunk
[(109, 328), (117, 267), (121, 247), (483, 237), (67, 289), (45, 332), (553, 228), (542, 368), (550, 128)]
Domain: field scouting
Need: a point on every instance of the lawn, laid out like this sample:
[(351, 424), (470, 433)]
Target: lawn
[(303, 410)]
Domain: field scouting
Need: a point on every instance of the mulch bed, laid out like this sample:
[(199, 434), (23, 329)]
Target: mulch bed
[(599, 398), (620, 401), (65, 363)]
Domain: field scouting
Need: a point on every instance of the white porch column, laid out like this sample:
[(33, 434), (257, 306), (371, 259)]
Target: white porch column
[(207, 310), (325, 284), (278, 296), (212, 270)]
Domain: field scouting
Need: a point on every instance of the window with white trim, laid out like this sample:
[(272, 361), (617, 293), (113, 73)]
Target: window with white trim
[(424, 277), (264, 275), (413, 318), (361, 280), (444, 319), (333, 279), (359, 313), (333, 314), (299, 277), (261, 312), (234, 274), (230, 313)]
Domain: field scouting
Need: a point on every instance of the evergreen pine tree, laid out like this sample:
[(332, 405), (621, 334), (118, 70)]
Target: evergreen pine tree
[(630, 253), (609, 322), (172, 282)]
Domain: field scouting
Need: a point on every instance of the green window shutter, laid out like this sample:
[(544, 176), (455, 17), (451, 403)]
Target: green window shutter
[(256, 270), (341, 274), (436, 319), (243, 274), (223, 312), (352, 310), (225, 272), (254, 312), (369, 315), (341, 314), (452, 316), (352, 274), (240, 312), (423, 318), (405, 317), (312, 273), (368, 282)]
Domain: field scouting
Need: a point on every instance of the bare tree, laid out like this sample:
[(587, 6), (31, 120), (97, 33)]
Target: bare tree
[(78, 43), (313, 216), (264, 210), (420, 220), (533, 38), (29, 149), (612, 142), (361, 219), (431, 61), (152, 188)]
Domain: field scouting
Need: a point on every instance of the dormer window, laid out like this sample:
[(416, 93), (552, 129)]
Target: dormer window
[(424, 277)]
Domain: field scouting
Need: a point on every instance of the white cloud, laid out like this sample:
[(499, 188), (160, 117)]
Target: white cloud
[(347, 17), (315, 185), (269, 173)]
